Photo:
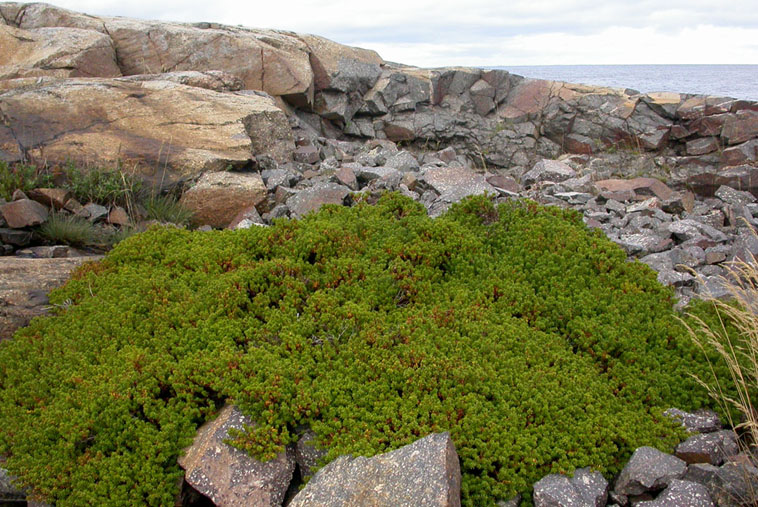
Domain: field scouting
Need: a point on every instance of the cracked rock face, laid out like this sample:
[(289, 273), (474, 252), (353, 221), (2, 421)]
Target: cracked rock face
[(158, 123), (228, 476)]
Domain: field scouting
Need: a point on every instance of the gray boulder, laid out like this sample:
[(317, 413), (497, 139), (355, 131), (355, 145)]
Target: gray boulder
[(426, 473), (453, 184), (547, 170), (585, 488), (649, 470), (681, 494), (311, 199), (702, 421), (734, 484), (711, 448)]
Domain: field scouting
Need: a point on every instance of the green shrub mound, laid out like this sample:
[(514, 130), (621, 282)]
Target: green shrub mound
[(528, 337)]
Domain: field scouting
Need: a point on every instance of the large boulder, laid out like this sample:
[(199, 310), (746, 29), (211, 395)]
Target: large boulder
[(162, 124), (426, 472), (218, 197), (268, 60), (342, 68), (57, 52), (229, 476)]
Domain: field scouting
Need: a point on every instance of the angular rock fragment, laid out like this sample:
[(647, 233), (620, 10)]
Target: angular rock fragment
[(426, 472), (311, 199), (547, 170), (453, 184), (585, 488), (734, 485), (681, 494), (219, 196), (648, 470), (229, 476), (711, 448), (23, 213)]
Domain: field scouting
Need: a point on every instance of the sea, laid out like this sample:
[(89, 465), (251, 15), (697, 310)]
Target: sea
[(735, 81)]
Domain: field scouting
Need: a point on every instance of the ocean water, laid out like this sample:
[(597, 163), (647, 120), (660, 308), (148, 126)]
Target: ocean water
[(737, 81)]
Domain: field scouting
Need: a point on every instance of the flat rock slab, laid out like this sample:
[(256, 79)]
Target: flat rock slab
[(227, 475), (423, 473), (453, 184), (161, 124), (640, 186), (311, 199), (24, 284)]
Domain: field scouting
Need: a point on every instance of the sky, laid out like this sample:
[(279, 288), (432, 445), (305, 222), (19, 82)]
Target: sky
[(489, 33)]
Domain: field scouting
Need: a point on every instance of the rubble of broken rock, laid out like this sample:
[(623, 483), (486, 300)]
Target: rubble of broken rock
[(687, 238)]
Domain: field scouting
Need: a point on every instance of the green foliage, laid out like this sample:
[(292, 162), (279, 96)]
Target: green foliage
[(68, 230), (167, 208), (23, 177), (102, 186), (528, 337)]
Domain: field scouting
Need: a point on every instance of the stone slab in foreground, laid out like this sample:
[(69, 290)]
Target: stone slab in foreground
[(426, 472), (227, 475)]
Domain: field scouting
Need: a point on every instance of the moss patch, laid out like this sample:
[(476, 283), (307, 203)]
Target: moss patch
[(528, 337)]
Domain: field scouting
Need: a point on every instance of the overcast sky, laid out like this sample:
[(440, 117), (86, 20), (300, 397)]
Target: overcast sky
[(431, 33)]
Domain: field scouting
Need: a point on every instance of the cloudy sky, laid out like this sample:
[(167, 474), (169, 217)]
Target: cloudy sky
[(431, 33)]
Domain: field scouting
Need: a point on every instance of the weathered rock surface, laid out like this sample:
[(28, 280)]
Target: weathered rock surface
[(55, 52), (713, 448), (218, 197), (585, 488), (23, 213), (227, 475), (648, 470), (681, 494), (157, 123), (311, 199), (734, 485), (423, 473), (24, 284), (705, 421)]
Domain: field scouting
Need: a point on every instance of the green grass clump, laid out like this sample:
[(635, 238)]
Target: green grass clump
[(68, 230), (528, 337), (22, 177), (167, 208)]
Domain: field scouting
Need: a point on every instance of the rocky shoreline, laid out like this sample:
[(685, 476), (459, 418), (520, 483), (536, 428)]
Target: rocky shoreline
[(255, 125)]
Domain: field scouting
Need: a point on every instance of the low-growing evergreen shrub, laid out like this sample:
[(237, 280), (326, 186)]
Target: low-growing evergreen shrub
[(528, 337)]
